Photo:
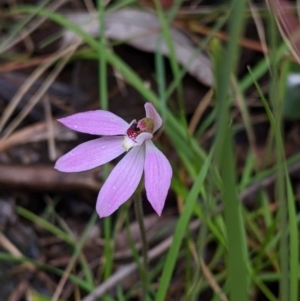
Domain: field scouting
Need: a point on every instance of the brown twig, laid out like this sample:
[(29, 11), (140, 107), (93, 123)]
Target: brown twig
[(45, 178)]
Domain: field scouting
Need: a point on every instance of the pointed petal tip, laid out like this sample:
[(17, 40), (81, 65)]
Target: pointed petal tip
[(103, 209), (158, 211), (157, 205), (58, 166), (65, 119), (62, 121), (101, 214)]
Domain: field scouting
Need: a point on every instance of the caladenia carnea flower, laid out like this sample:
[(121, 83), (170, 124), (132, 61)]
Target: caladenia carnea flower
[(142, 157)]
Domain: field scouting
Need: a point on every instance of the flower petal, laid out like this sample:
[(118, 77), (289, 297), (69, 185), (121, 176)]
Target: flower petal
[(158, 174), (142, 137), (97, 122), (91, 154), (153, 114), (122, 182)]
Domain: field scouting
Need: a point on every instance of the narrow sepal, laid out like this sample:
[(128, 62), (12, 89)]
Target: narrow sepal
[(158, 174)]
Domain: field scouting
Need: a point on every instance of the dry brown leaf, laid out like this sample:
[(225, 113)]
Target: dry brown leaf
[(142, 30), (288, 25)]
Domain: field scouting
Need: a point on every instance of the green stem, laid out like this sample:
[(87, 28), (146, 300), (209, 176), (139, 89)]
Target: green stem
[(140, 218)]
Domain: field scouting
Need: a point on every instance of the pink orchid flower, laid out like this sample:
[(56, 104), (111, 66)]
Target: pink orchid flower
[(135, 138)]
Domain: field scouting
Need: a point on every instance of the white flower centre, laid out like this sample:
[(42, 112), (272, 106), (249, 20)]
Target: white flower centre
[(144, 125)]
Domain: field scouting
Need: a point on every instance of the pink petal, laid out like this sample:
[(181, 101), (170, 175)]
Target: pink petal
[(91, 154), (96, 123), (158, 174), (142, 137), (153, 114), (122, 182)]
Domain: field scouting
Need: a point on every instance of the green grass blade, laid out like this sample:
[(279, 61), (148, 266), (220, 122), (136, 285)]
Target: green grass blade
[(180, 231), (76, 280), (20, 25), (237, 254), (45, 224), (294, 247)]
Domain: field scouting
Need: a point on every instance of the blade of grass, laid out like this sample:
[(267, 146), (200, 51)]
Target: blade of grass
[(59, 233), (247, 171), (120, 4), (293, 243), (276, 92), (167, 37), (161, 78), (84, 265), (180, 231), (102, 57), (104, 103), (19, 26), (45, 224), (77, 252), (261, 68), (276, 127), (238, 278), (76, 280)]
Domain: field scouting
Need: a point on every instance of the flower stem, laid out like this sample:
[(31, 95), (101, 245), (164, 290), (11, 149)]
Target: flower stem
[(139, 216)]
